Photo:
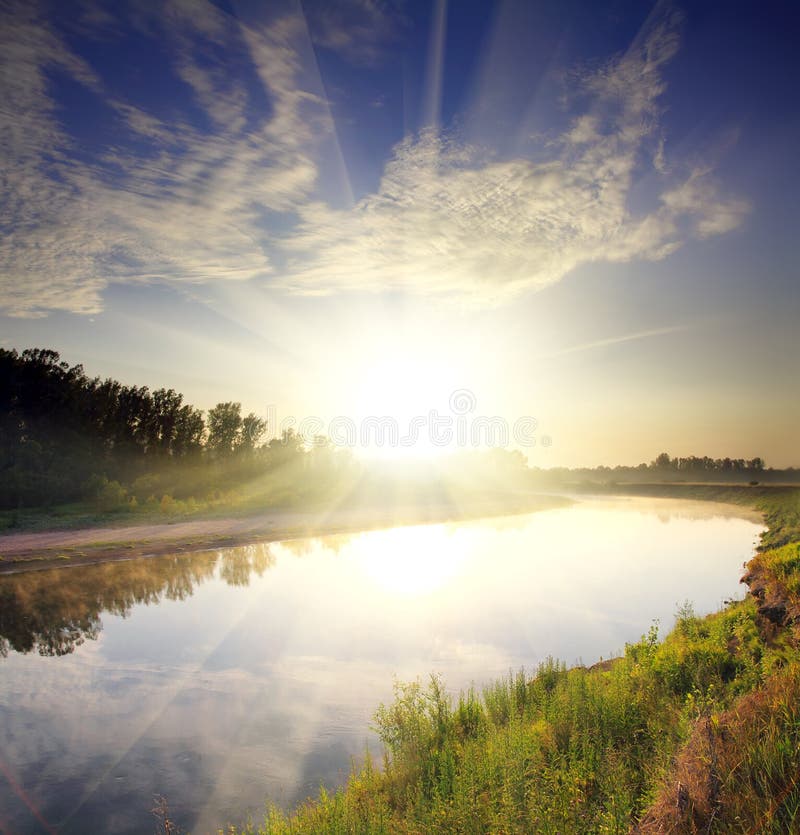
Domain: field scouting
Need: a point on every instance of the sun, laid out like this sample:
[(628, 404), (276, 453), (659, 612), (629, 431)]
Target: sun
[(402, 386), (395, 398)]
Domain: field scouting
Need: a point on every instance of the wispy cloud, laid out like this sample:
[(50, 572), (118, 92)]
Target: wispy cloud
[(449, 219), (233, 195), (613, 340), (358, 30), (177, 202)]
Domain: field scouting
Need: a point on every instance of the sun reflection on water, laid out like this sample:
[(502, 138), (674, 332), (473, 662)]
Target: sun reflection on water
[(411, 562)]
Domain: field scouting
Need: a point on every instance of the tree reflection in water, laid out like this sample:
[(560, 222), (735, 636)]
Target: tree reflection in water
[(53, 612)]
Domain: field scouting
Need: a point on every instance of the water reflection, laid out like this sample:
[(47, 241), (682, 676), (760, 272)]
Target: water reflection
[(53, 612), (219, 678)]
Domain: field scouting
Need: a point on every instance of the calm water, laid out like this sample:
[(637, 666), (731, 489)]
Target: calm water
[(218, 679)]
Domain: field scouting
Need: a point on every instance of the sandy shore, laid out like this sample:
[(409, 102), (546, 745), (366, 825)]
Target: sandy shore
[(47, 549)]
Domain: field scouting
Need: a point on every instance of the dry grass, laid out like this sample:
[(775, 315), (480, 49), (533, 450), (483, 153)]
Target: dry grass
[(738, 772)]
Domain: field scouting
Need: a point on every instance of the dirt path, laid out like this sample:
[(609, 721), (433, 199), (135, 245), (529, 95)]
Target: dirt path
[(33, 550)]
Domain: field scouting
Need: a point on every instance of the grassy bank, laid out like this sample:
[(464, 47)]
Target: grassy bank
[(698, 732)]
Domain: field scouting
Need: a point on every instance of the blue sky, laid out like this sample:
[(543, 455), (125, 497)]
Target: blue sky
[(580, 211)]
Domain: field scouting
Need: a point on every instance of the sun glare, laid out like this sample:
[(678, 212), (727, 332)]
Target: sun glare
[(395, 395), (411, 562)]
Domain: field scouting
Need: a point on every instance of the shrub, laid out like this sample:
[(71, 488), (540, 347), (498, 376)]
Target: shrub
[(110, 495)]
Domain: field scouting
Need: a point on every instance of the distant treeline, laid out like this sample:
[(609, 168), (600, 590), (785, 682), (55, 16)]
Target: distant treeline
[(693, 468), (696, 464)]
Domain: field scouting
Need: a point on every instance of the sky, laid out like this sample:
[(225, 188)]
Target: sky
[(573, 214)]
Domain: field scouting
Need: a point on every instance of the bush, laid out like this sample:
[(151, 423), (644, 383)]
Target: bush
[(146, 485), (108, 495)]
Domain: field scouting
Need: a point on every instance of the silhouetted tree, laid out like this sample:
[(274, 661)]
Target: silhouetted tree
[(224, 427), (662, 461), (251, 432)]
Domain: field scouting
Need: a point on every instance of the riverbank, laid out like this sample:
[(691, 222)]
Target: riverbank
[(695, 732), (52, 543), (32, 550), (689, 733)]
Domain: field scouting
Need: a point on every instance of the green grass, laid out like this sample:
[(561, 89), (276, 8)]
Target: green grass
[(783, 564), (87, 515), (698, 732)]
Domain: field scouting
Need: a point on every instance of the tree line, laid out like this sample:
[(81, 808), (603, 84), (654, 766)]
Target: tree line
[(697, 464), (60, 428), (67, 437)]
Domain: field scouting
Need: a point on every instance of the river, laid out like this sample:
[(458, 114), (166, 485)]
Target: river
[(223, 678)]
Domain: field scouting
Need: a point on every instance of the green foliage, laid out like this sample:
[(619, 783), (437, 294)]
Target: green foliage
[(108, 495), (224, 427), (229, 432), (564, 751), (62, 432), (702, 652), (782, 515), (784, 564)]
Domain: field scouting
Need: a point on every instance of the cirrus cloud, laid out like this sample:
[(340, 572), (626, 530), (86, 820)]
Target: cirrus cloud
[(177, 201), (234, 194), (449, 219)]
